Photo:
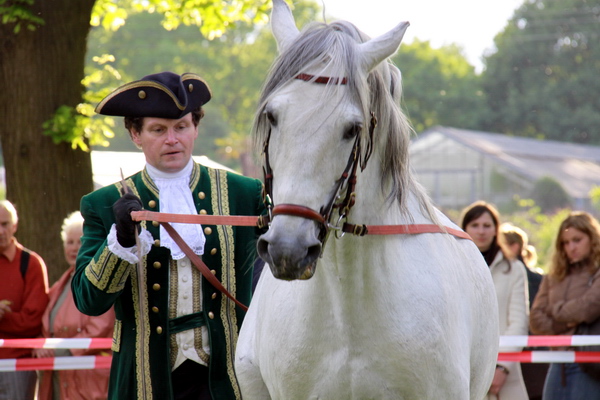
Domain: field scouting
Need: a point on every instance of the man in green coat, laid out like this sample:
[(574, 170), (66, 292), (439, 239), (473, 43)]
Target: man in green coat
[(175, 334)]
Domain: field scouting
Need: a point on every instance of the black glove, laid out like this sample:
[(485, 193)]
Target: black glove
[(125, 225)]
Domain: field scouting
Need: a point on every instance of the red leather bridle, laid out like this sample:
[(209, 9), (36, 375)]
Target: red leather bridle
[(348, 178)]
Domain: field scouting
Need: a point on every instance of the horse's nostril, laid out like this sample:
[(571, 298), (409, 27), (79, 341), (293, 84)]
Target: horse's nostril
[(262, 247), (313, 252)]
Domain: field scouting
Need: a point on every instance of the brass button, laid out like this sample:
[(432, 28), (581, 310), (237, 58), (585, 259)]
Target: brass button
[(211, 315), (213, 251), (214, 296), (156, 287), (155, 223), (152, 204), (201, 195), (191, 88), (202, 212), (155, 309), (207, 231), (157, 242), (213, 271), (142, 94), (159, 329), (157, 264)]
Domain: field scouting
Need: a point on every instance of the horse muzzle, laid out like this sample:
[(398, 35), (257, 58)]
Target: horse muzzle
[(291, 248)]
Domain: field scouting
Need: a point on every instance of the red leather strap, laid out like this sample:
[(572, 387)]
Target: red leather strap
[(236, 220), (298, 211), (322, 79), (197, 261), (411, 229)]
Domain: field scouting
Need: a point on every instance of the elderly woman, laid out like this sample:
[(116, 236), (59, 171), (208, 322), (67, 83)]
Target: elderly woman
[(63, 320), (482, 222), (568, 296)]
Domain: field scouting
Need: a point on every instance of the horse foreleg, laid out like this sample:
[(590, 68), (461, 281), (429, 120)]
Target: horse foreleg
[(247, 369)]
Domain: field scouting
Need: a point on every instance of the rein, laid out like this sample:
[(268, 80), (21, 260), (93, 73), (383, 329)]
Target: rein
[(349, 179), (322, 217), (299, 211)]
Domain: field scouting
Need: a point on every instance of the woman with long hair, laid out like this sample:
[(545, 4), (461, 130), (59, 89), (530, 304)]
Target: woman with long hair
[(569, 295), (481, 221)]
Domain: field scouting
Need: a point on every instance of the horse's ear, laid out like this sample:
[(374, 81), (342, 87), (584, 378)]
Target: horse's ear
[(283, 25), (378, 49)]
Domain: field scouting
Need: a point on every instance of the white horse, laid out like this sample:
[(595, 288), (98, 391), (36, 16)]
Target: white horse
[(399, 316)]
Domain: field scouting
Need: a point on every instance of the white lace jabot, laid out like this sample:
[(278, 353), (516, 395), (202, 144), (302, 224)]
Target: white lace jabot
[(175, 197)]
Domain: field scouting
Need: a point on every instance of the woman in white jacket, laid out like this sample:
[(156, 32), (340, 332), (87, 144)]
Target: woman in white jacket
[(482, 221)]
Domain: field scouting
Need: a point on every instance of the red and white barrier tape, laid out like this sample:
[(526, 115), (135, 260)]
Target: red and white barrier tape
[(552, 356), (99, 362), (57, 343), (550, 341), (105, 343), (55, 363)]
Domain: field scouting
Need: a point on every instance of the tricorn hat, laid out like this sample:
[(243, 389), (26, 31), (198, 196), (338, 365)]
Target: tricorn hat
[(162, 95)]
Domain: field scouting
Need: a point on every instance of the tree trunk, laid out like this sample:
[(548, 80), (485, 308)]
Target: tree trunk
[(39, 72)]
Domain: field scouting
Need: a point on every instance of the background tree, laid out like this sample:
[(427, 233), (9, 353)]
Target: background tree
[(543, 79), (43, 47), (235, 66), (548, 193), (440, 86)]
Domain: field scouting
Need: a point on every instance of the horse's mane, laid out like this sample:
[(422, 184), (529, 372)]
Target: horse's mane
[(335, 45)]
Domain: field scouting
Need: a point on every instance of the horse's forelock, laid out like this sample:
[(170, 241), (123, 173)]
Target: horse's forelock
[(333, 45)]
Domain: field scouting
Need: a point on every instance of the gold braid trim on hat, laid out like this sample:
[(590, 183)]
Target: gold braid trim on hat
[(139, 84)]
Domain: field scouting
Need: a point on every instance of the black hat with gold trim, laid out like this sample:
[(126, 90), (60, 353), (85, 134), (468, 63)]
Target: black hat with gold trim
[(162, 95)]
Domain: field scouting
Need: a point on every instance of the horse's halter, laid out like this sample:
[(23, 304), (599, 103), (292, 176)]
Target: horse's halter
[(348, 177)]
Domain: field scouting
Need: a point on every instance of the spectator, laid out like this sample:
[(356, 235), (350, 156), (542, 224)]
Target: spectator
[(482, 222), (23, 299), (175, 334), (63, 320), (517, 242), (569, 295)]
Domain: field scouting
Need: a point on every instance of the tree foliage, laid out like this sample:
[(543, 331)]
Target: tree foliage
[(543, 79), (541, 227), (42, 63), (234, 65), (549, 194), (440, 86)]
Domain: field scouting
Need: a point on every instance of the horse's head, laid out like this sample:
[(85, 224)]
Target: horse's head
[(315, 127)]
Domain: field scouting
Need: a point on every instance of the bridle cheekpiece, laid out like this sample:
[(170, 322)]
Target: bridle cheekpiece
[(348, 178)]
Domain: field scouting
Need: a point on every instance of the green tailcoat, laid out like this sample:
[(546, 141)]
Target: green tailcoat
[(145, 319)]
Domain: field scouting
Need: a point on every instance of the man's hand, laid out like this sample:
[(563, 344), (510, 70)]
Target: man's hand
[(125, 225)]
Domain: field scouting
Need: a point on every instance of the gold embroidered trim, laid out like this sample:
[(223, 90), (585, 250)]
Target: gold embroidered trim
[(116, 339), (195, 176), (220, 205), (149, 183), (173, 295), (99, 271), (142, 341), (197, 307)]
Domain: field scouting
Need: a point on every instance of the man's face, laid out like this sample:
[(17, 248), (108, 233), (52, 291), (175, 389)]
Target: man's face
[(167, 143), (7, 229)]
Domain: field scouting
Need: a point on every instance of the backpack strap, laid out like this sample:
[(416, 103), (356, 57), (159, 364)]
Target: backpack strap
[(24, 262)]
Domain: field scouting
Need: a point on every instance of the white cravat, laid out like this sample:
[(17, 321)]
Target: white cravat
[(175, 197)]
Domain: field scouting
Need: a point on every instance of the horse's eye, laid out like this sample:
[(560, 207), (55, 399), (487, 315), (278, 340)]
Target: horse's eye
[(271, 118), (352, 131)]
